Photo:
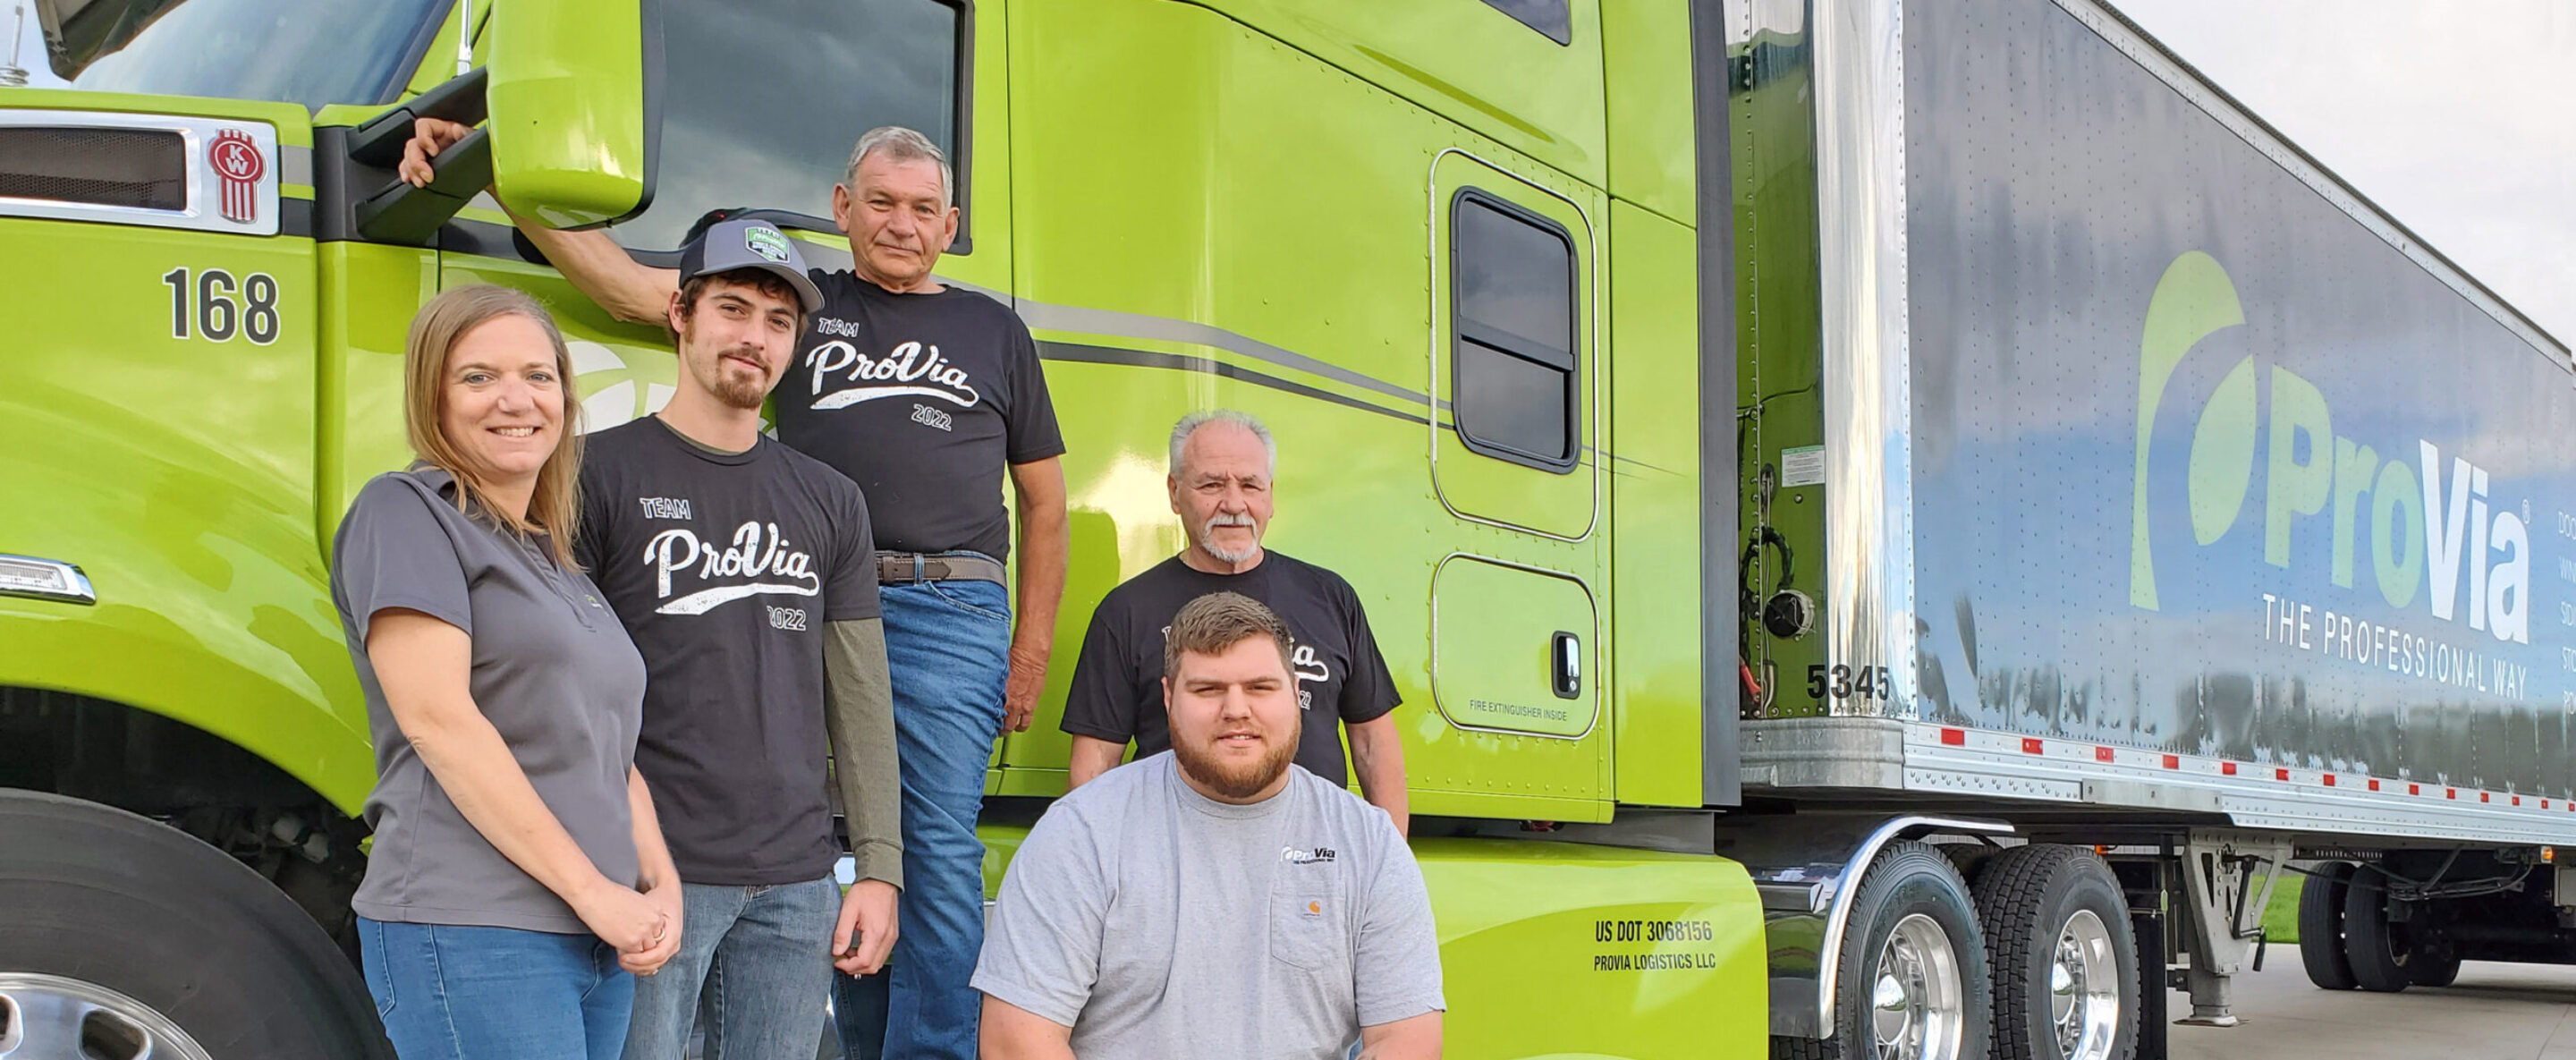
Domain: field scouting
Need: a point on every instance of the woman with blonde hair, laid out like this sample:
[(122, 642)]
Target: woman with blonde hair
[(518, 875)]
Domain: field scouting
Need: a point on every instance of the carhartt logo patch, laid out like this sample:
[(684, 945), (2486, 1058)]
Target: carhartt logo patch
[(767, 243)]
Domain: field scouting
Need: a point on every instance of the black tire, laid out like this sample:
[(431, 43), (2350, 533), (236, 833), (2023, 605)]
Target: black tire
[(2433, 966), (2321, 926), (114, 900), (1971, 859), (1906, 879), (1801, 1049), (2026, 898), (2378, 950)]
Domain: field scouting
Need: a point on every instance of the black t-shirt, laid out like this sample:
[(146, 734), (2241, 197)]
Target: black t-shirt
[(921, 399), (1117, 691), (724, 569)]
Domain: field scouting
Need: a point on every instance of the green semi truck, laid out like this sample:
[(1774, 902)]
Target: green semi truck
[(1727, 410)]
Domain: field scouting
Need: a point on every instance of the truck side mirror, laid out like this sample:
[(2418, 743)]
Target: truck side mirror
[(396, 212), (572, 85)]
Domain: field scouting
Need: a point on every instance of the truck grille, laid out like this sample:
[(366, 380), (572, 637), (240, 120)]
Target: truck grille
[(137, 168)]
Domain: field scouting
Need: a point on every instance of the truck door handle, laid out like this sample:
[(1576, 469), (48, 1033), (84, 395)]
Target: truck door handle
[(1565, 652)]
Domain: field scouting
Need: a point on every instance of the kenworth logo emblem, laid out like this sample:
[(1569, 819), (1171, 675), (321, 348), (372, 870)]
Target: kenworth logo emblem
[(238, 166), (2426, 524)]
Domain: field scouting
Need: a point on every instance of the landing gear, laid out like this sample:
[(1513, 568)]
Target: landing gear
[(2227, 880)]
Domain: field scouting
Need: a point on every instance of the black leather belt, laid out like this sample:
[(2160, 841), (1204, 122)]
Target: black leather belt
[(905, 568)]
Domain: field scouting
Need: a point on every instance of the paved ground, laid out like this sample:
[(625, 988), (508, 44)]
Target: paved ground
[(2494, 1012)]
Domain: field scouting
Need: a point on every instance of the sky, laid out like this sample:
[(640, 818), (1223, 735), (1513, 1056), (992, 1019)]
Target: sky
[(2458, 117)]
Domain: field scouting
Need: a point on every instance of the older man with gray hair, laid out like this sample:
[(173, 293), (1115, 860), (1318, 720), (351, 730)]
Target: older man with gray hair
[(923, 394), (1222, 462)]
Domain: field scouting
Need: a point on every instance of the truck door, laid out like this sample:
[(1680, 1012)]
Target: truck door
[(775, 142), (1515, 627)]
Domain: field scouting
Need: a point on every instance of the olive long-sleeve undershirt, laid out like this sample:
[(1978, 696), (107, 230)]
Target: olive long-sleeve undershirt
[(858, 716)]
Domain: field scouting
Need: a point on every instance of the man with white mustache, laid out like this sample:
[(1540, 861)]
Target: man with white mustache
[(1220, 482), (746, 574)]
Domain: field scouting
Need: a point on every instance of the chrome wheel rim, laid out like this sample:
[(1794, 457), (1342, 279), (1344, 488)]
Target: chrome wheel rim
[(2084, 989), (52, 1017), (1916, 997)]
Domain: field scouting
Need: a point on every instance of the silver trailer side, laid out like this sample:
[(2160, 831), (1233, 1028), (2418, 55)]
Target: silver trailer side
[(2171, 500)]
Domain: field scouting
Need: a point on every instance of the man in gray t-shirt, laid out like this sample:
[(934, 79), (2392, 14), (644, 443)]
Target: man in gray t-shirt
[(1214, 900)]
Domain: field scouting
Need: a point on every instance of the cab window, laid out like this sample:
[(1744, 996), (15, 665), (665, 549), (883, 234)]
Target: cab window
[(312, 52), (762, 106)]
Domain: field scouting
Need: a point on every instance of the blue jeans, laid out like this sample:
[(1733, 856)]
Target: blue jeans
[(761, 959), (448, 992), (948, 653)]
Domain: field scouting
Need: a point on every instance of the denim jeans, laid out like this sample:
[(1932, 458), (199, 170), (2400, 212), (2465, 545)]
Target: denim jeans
[(448, 992), (761, 960), (948, 650)]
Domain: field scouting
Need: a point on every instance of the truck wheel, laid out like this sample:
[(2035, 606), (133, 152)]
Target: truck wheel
[(2436, 965), (2378, 950), (2321, 926), (2064, 960), (1912, 983), (122, 938)]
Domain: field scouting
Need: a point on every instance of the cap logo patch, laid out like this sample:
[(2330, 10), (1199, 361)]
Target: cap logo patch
[(767, 243)]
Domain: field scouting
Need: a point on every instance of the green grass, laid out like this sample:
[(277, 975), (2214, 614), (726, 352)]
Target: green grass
[(2281, 918)]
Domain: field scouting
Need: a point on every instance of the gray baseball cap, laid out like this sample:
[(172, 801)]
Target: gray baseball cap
[(731, 245)]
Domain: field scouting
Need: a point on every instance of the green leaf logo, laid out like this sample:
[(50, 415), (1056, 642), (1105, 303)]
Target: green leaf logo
[(2193, 301)]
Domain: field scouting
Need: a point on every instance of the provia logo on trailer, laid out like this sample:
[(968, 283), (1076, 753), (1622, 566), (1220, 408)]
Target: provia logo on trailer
[(2446, 509)]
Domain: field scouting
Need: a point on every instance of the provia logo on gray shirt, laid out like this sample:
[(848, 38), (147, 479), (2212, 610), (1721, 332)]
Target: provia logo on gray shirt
[(914, 368), (759, 561)]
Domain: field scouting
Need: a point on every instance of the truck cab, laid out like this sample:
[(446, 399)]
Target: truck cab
[(1409, 240)]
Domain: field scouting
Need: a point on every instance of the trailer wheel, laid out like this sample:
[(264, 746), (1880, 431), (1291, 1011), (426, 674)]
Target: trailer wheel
[(2437, 965), (2379, 950), (2321, 926), (1912, 983), (122, 938), (2064, 960)]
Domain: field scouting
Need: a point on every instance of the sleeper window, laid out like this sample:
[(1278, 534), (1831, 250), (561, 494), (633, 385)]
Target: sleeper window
[(1514, 364)]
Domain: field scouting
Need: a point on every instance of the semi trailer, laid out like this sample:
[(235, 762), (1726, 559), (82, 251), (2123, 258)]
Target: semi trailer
[(1895, 522)]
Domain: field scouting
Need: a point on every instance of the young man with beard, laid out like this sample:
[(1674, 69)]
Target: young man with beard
[(1210, 901), (923, 394), (1222, 466), (745, 572)]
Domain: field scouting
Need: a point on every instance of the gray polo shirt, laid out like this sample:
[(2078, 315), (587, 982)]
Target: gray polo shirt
[(1157, 922), (552, 670)]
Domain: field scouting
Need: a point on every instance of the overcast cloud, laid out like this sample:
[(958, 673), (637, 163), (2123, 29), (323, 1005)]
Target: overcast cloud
[(2457, 117)]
